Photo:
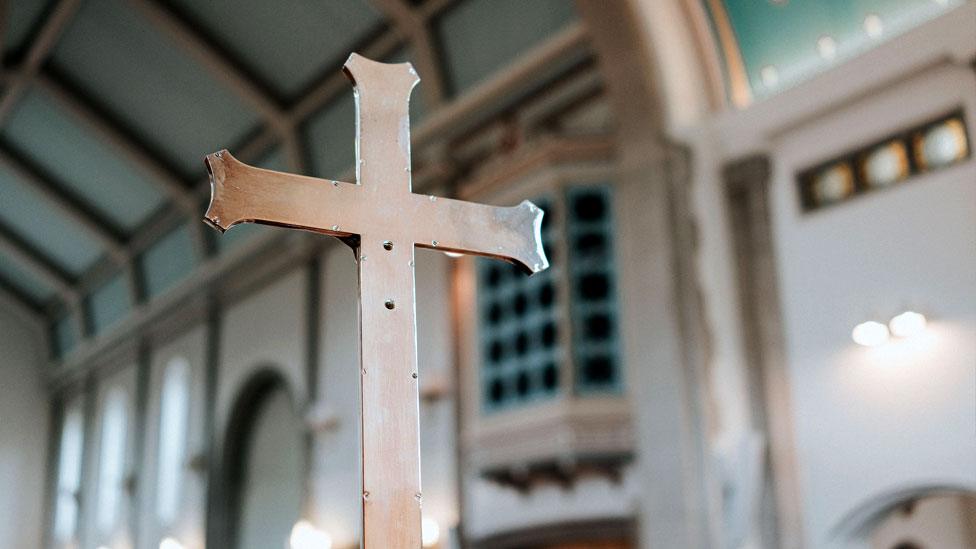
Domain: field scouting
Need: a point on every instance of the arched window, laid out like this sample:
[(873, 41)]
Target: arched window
[(111, 462), (69, 477), (173, 415)]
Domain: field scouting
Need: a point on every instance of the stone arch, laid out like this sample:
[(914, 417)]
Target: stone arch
[(228, 468), (858, 523)]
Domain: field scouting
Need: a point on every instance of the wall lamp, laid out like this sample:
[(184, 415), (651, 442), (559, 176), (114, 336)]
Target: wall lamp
[(904, 325)]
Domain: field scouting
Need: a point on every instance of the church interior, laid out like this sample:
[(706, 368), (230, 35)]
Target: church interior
[(757, 329)]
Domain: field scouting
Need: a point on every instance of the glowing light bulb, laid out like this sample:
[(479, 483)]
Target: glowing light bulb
[(430, 532), (306, 536), (827, 47), (870, 333), (873, 25), (908, 324), (170, 543)]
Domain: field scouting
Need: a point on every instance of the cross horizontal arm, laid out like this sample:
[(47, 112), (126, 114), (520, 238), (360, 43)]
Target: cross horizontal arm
[(512, 234), (240, 193)]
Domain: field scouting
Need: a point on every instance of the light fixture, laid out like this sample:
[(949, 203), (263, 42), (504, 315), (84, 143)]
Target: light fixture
[(769, 75), (170, 543), (306, 536), (430, 532), (907, 324), (827, 47), (873, 25), (870, 333)]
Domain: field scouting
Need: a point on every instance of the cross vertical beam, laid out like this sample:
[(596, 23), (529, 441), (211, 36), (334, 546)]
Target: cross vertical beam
[(383, 221), (387, 309)]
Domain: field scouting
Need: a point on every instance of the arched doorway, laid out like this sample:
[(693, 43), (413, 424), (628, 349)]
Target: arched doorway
[(264, 465)]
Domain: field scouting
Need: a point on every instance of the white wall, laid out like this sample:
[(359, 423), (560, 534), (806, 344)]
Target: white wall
[(869, 421), (23, 433)]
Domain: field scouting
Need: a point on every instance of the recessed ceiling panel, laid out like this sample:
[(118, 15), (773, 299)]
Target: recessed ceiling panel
[(286, 42), (44, 227), (481, 36), (332, 138), (168, 261), (65, 335), (140, 76), (109, 303), (18, 19), (92, 170), (30, 285)]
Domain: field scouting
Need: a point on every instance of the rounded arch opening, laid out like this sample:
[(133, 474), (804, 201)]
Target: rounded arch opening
[(923, 516), (261, 465)]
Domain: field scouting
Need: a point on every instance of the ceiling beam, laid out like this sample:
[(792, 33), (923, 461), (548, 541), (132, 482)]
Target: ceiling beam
[(412, 24), (29, 258), (128, 147), (40, 49), (54, 194), (218, 64)]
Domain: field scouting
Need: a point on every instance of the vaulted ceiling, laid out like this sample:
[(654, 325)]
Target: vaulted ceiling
[(108, 107)]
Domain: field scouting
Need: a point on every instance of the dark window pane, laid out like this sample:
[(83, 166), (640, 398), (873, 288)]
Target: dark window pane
[(550, 377), (589, 207), (598, 369), (522, 384), (549, 334), (496, 392), (598, 326), (594, 286)]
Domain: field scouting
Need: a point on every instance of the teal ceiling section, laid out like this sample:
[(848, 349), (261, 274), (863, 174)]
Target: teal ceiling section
[(109, 304), (26, 212), (287, 43), (238, 234), (65, 336), (331, 138), (24, 281), (141, 77), (19, 18), (785, 42), (169, 260), (478, 37), (51, 138)]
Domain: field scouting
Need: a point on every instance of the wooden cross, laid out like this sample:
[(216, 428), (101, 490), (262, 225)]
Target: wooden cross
[(383, 221)]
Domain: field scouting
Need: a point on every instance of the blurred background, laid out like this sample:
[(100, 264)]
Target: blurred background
[(758, 330)]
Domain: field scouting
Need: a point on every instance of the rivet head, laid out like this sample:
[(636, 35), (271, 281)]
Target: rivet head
[(219, 154), (536, 267), (407, 169), (365, 496), (363, 258), (432, 198), (414, 375), (387, 245), (335, 227), (411, 263), (389, 304), (433, 243), (335, 183), (418, 496), (364, 371)]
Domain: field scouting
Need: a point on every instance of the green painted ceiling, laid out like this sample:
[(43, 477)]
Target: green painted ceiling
[(783, 42)]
